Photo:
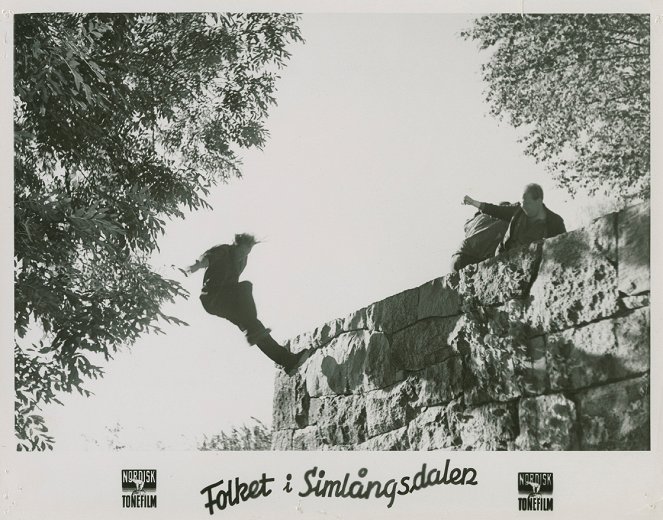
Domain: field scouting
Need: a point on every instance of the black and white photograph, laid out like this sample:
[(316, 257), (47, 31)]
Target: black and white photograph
[(276, 261)]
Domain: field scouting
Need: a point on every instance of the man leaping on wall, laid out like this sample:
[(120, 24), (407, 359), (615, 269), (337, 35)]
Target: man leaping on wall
[(225, 296)]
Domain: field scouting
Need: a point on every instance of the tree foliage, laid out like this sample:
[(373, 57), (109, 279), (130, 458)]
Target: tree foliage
[(255, 437), (579, 85), (122, 121)]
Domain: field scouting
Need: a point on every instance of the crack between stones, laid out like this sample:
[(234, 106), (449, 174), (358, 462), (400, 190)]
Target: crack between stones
[(320, 346), (571, 394), (567, 392), (613, 381), (621, 313), (388, 431)]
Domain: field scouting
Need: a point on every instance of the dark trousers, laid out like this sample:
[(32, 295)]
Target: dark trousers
[(460, 260), (235, 303)]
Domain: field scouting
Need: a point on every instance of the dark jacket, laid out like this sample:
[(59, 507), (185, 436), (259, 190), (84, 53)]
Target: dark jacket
[(224, 268), (515, 215)]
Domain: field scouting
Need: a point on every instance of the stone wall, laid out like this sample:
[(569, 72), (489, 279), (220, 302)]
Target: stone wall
[(544, 348)]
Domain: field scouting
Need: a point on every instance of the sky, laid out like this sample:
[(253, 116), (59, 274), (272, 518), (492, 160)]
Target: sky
[(380, 130)]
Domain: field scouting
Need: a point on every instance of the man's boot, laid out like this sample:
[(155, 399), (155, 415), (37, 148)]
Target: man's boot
[(280, 355)]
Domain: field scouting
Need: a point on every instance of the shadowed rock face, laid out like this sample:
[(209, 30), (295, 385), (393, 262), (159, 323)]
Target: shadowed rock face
[(543, 348)]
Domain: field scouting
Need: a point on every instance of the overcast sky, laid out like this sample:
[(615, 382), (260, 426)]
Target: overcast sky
[(380, 130)]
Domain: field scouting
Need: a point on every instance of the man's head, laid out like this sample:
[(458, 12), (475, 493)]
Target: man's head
[(245, 241), (532, 202)]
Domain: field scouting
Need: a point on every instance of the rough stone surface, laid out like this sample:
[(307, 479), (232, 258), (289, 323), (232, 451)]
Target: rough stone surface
[(339, 420), (633, 341), (440, 383), (283, 402), (381, 368), (423, 344), (282, 440), (490, 427), (318, 337), (290, 401), (547, 422), (635, 302), (306, 439), (496, 369), (432, 430), (439, 298), (393, 313), (389, 409), (545, 348), (395, 440), (577, 280), (533, 372), (337, 368), (633, 249), (602, 351), (356, 321), (616, 416), (502, 278), (582, 357)]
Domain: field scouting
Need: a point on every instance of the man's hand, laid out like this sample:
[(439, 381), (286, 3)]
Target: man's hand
[(469, 201), (199, 264)]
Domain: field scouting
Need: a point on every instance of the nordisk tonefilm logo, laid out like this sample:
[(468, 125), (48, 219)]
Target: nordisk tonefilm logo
[(139, 488), (535, 490)]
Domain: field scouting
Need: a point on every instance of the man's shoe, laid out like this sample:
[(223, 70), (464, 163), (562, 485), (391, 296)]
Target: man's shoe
[(254, 337), (294, 359)]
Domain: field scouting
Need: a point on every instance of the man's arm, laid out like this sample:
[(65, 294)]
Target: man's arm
[(500, 212), (198, 264)]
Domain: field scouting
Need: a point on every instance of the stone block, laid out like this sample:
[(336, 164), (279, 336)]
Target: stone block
[(393, 313), (431, 429), (547, 422), (283, 404), (634, 249), (340, 420), (380, 368), (440, 383), (633, 342), (356, 321), (490, 427), (329, 331), (499, 368), (439, 298), (302, 341), (290, 403), (582, 357), (337, 368), (502, 278), (389, 409), (600, 352), (324, 334), (615, 416), (306, 439), (424, 343), (396, 440), (577, 280), (282, 440)]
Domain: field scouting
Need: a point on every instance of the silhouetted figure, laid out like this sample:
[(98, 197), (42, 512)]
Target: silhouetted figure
[(225, 296), (483, 234), (528, 222)]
